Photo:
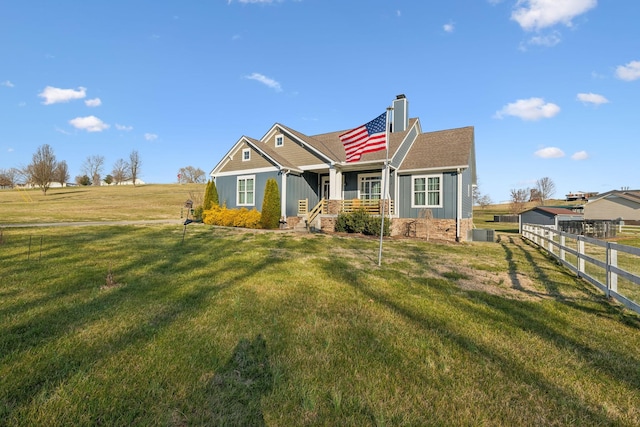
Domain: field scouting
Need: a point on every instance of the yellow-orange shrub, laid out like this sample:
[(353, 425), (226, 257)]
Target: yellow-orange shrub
[(243, 217)]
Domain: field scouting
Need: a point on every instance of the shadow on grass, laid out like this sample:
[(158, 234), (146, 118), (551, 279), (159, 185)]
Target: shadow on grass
[(525, 315), (163, 282), (595, 303), (238, 386)]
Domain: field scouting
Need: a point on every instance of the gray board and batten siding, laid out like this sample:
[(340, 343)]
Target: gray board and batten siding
[(449, 199), (227, 189), (301, 187)]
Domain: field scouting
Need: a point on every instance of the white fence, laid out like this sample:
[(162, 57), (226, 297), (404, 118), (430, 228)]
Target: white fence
[(611, 267), (631, 230)]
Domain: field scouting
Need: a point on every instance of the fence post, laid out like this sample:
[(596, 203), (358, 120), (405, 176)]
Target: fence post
[(551, 236), (612, 261), (580, 265), (562, 243)]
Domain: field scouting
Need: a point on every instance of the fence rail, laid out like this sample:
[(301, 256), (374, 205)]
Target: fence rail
[(606, 265), (630, 229)]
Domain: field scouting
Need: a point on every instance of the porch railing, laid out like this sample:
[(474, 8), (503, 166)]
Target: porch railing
[(372, 207), (321, 207), (303, 207)]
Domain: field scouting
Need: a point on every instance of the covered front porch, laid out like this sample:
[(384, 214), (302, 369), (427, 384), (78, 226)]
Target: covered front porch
[(309, 215)]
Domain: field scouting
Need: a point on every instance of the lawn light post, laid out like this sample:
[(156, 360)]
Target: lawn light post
[(189, 206)]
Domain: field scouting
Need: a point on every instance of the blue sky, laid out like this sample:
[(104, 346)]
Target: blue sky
[(551, 86)]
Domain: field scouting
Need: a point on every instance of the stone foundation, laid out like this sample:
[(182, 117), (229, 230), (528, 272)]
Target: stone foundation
[(292, 221), (436, 229)]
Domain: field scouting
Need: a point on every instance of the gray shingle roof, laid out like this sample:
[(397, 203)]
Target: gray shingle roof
[(445, 148), (431, 150)]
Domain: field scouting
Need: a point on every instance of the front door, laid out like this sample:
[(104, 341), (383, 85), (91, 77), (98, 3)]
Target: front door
[(325, 189)]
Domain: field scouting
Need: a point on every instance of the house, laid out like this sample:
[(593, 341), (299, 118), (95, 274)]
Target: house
[(613, 205), (431, 177), (580, 195), (549, 216)]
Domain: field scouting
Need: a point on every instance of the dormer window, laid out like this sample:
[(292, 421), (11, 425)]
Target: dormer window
[(279, 140), (246, 155)]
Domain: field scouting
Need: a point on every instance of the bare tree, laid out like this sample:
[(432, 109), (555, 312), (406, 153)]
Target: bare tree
[(482, 200), (40, 171), (546, 188), (92, 167), (120, 171), (134, 166), (518, 200), (61, 173), (190, 175), (8, 177)]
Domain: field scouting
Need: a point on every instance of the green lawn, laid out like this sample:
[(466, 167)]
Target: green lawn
[(129, 326), (124, 202)]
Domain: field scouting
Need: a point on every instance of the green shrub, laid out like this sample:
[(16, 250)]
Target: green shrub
[(359, 221), (271, 205), (372, 226)]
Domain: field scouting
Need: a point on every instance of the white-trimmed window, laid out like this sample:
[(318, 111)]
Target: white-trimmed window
[(370, 186), (246, 154), (245, 195), (426, 191), (279, 140)]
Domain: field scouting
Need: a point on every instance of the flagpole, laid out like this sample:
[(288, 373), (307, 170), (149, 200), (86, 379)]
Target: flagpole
[(386, 182)]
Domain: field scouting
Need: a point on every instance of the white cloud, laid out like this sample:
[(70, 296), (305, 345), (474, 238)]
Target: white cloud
[(150, 136), (95, 102), (539, 14), (124, 128), (7, 83), (629, 72), (592, 98), (266, 81), (580, 155), (548, 40), (89, 123), (10, 150), (54, 95), (549, 153), (529, 109), (398, 13), (448, 28)]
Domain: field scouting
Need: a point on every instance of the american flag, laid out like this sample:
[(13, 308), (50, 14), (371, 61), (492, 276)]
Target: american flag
[(367, 138)]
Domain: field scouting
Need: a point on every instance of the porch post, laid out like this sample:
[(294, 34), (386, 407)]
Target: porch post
[(283, 195), (335, 183)]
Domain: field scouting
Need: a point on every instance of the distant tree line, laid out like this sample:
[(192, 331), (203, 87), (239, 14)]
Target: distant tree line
[(45, 170), (544, 189)]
